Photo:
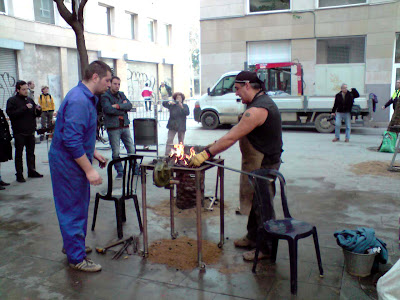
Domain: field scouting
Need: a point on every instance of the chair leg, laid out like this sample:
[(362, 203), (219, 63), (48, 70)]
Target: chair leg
[(274, 249), (123, 212), (316, 244), (136, 202), (96, 206), (293, 265), (119, 219)]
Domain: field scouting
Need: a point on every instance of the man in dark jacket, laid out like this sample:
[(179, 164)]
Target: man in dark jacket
[(23, 112), (115, 108), (5, 144), (177, 120), (342, 110), (395, 97)]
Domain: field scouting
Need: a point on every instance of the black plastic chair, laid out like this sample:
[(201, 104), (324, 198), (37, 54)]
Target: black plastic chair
[(287, 229), (131, 164)]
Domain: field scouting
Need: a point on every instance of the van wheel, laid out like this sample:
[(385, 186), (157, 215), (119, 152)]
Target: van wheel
[(209, 120), (323, 125)]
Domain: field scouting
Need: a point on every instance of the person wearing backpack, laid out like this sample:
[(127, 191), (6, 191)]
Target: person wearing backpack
[(46, 101)]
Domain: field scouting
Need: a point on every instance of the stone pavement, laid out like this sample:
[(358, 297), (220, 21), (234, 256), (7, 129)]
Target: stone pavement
[(321, 190)]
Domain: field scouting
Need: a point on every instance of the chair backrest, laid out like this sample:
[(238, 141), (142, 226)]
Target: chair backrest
[(261, 180), (131, 164)]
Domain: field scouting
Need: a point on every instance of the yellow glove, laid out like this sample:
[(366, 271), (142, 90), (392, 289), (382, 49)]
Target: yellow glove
[(198, 159)]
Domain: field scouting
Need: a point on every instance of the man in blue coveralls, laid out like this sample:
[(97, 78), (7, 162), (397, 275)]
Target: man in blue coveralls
[(70, 158)]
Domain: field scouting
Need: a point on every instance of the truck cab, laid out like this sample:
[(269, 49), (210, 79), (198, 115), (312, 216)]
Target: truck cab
[(220, 105)]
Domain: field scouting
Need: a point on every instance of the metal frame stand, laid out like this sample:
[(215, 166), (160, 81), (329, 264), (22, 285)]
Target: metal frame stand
[(199, 173)]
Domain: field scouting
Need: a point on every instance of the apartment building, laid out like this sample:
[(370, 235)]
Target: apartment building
[(142, 41), (335, 41)]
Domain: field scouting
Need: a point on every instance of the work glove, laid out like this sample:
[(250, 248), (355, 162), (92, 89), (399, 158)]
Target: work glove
[(198, 159)]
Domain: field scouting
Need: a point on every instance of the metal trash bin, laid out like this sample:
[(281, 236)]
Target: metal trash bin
[(358, 264), (145, 134)]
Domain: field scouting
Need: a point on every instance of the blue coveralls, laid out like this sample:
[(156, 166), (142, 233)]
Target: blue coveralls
[(74, 136)]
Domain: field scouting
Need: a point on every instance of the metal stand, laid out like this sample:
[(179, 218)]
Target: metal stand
[(392, 167), (199, 173)]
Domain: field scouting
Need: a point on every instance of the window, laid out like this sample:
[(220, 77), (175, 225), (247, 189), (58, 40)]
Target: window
[(268, 5), (151, 30), (225, 86), (2, 6), (165, 37), (133, 22), (44, 11), (397, 51), (327, 3), (104, 21), (341, 50)]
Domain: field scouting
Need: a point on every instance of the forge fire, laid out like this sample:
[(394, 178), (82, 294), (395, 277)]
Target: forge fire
[(179, 156)]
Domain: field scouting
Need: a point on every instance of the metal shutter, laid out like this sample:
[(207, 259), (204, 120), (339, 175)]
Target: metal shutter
[(8, 75)]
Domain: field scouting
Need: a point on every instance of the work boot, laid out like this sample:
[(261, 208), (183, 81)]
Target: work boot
[(249, 255), (34, 174), (20, 178), (2, 183), (244, 242), (87, 265), (335, 140), (87, 250)]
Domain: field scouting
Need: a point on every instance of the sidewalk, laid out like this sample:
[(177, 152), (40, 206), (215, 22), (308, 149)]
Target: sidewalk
[(321, 190)]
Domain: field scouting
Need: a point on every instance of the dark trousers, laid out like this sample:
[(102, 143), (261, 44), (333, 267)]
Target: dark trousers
[(27, 141), (254, 222), (145, 103)]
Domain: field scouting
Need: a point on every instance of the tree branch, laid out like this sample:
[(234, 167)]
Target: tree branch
[(80, 11), (74, 9), (64, 12)]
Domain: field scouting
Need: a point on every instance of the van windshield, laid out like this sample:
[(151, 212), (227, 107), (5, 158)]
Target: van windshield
[(225, 86)]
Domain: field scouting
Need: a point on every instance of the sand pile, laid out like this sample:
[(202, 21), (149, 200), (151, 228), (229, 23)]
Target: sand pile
[(163, 210), (377, 168), (181, 253)]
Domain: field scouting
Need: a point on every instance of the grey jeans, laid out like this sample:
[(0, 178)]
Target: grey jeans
[(115, 136), (47, 118), (170, 140)]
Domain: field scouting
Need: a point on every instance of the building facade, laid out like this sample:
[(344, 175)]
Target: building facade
[(336, 41), (142, 41)]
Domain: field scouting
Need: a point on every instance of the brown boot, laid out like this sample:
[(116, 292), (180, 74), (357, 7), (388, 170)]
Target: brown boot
[(249, 255), (244, 242), (335, 140)]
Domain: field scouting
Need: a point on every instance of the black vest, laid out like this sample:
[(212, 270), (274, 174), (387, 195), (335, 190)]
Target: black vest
[(267, 138)]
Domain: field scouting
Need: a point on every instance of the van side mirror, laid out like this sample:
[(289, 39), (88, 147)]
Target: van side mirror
[(209, 92)]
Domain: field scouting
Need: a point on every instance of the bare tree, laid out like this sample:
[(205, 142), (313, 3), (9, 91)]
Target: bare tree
[(75, 20)]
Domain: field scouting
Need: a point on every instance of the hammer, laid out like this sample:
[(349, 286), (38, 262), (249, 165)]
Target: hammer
[(104, 250)]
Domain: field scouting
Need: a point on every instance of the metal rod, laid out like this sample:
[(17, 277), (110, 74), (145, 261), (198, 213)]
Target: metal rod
[(221, 204), (144, 211), (171, 209), (236, 170), (198, 218)]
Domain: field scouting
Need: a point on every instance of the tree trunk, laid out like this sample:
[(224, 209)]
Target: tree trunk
[(81, 46)]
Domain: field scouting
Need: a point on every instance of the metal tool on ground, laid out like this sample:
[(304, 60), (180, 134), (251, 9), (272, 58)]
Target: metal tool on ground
[(104, 250), (131, 241), (128, 242), (392, 167)]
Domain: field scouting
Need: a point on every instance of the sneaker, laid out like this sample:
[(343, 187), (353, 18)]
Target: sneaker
[(119, 176), (346, 140), (2, 183), (87, 265), (20, 178), (249, 256), (335, 140), (244, 242), (87, 250), (34, 174)]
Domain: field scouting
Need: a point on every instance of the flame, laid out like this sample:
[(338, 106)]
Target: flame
[(178, 152)]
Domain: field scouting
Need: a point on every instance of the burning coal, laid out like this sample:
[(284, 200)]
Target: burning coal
[(179, 156)]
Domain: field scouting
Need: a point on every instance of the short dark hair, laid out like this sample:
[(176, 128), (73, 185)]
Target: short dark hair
[(146, 84), (115, 77), (175, 95), (97, 67), (30, 82), (19, 84)]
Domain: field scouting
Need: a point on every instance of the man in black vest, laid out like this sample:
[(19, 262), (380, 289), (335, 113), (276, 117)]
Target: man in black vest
[(260, 134)]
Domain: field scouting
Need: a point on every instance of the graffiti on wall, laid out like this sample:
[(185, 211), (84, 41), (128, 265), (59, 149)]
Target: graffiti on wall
[(136, 83), (7, 88)]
